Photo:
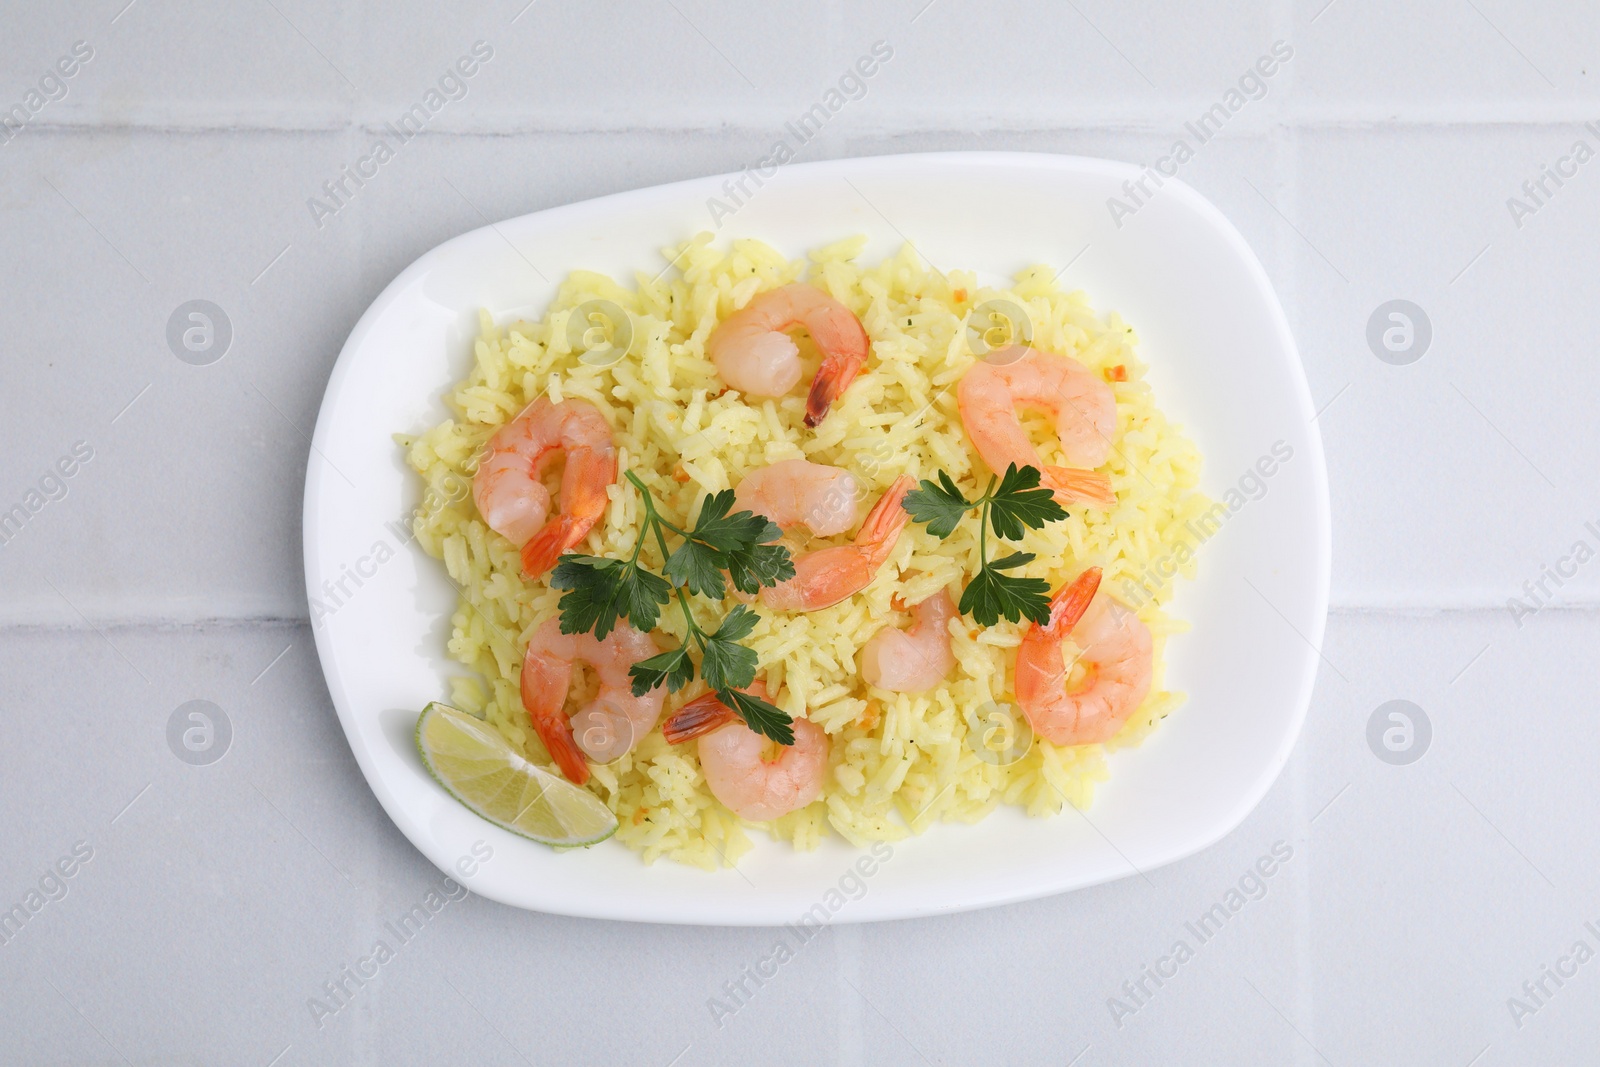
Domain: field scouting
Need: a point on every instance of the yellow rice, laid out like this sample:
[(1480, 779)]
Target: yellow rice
[(899, 763)]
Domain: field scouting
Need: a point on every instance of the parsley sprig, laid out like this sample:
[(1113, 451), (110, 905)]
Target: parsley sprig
[(723, 547), (1015, 503)]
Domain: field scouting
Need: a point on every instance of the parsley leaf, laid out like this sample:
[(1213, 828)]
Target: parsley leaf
[(1019, 502), (675, 668), (737, 625), (992, 594), (940, 505), (1016, 504), (697, 566), (603, 590), (601, 593), (762, 564), (725, 663), (765, 719), (722, 531), (737, 543)]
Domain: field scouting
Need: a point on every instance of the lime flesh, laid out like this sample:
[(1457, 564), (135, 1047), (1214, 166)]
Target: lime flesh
[(478, 767)]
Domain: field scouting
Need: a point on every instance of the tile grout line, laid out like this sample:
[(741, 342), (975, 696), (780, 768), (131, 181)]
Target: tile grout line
[(1146, 121)]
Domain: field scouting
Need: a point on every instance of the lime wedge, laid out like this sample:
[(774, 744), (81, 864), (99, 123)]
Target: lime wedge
[(479, 767)]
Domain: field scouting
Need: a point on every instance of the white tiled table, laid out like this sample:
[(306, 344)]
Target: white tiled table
[(217, 900)]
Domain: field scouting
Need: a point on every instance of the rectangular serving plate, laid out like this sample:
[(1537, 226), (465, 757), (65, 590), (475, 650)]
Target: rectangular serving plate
[(1223, 364)]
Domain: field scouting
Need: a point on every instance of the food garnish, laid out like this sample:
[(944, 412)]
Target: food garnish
[(722, 547), (1008, 507), (480, 768)]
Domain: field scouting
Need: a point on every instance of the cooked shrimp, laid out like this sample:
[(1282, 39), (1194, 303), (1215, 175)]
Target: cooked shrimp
[(737, 767), (913, 660), (797, 492), (515, 503), (608, 726), (1083, 406), (829, 575), (755, 355), (704, 713), (1116, 652)]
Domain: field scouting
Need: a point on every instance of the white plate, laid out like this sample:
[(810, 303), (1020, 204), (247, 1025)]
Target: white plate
[(1223, 364)]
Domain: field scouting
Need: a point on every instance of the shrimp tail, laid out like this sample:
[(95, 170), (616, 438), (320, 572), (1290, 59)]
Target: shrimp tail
[(1074, 485), (833, 378), (887, 518), (1068, 605), (546, 546), (697, 717), (557, 737)]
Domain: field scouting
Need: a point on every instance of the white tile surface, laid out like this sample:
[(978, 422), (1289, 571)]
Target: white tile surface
[(1467, 470), (1489, 55), (1377, 166), (220, 901)]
